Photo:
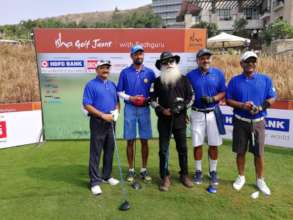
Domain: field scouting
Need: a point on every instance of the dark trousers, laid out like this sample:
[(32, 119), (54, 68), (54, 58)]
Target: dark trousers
[(164, 128), (101, 139)]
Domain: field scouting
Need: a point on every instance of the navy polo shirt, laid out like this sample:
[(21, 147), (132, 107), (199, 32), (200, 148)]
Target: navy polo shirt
[(101, 94), (256, 88), (206, 84), (135, 83)]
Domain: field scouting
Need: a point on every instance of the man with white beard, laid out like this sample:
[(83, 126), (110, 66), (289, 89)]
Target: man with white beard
[(171, 96)]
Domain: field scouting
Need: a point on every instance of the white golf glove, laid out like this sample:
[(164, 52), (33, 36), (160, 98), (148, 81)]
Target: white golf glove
[(115, 114)]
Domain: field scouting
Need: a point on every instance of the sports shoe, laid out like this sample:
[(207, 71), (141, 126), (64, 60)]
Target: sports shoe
[(239, 183), (130, 176), (197, 178), (262, 186), (112, 181), (96, 190), (145, 175), (214, 178)]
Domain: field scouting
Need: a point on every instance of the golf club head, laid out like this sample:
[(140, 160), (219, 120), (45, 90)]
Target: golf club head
[(124, 206), (136, 185), (212, 189)]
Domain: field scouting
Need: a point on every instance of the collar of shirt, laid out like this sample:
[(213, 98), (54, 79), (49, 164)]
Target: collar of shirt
[(252, 76), (204, 73), (99, 79), (133, 68)]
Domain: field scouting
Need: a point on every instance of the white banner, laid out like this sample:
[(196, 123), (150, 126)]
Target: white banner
[(279, 130), (20, 128)]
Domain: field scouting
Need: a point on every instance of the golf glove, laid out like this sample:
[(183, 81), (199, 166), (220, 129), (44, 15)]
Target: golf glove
[(115, 114)]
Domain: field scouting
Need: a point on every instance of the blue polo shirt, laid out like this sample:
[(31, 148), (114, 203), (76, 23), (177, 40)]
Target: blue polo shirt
[(135, 83), (101, 94), (257, 89), (206, 84)]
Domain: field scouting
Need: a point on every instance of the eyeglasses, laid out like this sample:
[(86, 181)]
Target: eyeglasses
[(168, 61)]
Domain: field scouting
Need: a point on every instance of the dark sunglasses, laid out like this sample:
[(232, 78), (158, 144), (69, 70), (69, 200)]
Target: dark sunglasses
[(250, 61), (168, 61)]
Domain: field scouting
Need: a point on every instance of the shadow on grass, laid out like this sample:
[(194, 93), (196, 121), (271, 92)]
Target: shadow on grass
[(76, 175), (279, 150), (72, 174)]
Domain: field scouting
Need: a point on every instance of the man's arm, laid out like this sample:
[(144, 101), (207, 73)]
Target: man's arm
[(95, 112)]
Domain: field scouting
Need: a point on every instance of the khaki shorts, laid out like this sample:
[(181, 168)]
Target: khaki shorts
[(242, 138)]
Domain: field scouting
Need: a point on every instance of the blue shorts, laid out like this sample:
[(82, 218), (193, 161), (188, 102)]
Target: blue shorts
[(137, 115)]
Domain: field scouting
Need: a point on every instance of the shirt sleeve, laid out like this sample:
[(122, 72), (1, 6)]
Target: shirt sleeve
[(229, 92), (222, 84), (189, 93), (120, 85), (87, 95), (271, 91)]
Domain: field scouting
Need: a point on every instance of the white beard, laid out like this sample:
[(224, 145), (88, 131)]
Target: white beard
[(169, 76)]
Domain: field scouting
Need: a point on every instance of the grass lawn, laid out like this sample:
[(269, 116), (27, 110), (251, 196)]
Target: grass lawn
[(51, 182)]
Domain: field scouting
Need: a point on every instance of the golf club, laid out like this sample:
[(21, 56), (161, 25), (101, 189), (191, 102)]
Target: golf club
[(125, 204), (135, 185)]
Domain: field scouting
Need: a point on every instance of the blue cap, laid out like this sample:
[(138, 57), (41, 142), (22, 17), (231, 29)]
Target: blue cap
[(136, 48)]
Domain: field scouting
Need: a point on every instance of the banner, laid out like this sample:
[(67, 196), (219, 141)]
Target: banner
[(67, 59), (279, 131), (20, 124)]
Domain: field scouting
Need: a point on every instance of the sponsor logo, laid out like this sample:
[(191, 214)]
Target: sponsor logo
[(62, 63), (91, 64), (274, 124), (3, 130)]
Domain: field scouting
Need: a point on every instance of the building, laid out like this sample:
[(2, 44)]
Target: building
[(277, 9), (168, 11), (224, 13)]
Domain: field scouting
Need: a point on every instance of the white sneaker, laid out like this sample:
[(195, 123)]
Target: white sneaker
[(262, 186), (96, 190), (112, 181), (239, 183)]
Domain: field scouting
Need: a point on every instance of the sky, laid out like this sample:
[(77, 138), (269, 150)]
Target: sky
[(13, 11)]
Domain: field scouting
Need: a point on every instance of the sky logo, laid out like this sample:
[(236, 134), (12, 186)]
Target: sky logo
[(275, 124)]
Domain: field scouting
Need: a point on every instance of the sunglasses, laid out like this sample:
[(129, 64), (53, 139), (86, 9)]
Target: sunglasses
[(168, 61), (250, 61)]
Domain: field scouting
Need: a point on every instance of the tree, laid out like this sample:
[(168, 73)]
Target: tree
[(279, 29), (239, 27), (211, 27)]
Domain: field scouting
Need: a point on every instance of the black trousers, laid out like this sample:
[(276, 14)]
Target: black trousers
[(164, 128), (101, 139)]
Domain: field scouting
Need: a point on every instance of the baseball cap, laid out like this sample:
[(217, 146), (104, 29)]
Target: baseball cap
[(247, 55), (136, 48), (203, 52), (103, 62)]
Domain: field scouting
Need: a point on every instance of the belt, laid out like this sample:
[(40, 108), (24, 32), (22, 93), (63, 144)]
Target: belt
[(249, 120), (203, 110)]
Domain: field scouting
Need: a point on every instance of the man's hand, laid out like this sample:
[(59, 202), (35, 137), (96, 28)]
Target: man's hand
[(247, 106), (207, 99), (167, 112), (138, 100), (107, 117)]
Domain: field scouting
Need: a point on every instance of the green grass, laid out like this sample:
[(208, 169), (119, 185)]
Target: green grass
[(51, 182)]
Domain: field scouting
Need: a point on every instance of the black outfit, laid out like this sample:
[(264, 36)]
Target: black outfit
[(101, 139), (165, 97)]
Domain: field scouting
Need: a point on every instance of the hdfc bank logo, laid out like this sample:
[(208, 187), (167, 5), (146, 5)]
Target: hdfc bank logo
[(3, 131)]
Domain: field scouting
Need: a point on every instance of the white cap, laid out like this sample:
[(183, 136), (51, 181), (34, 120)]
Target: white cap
[(103, 62), (247, 55)]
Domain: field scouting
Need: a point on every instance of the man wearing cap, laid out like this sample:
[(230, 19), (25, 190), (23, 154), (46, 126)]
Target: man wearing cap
[(133, 86), (170, 98), (101, 101), (209, 87), (250, 94)]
